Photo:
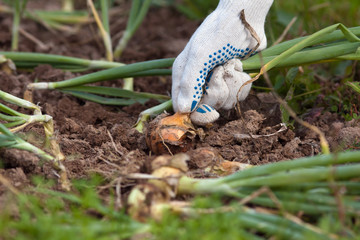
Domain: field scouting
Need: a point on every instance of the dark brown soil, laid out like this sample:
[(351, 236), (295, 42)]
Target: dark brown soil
[(85, 130)]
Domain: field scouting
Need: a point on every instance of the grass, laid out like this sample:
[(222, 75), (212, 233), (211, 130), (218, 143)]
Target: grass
[(57, 215), (228, 225)]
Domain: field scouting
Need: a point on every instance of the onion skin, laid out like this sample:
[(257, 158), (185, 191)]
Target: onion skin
[(170, 134)]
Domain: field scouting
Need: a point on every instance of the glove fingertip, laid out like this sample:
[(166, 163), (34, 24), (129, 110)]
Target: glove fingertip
[(204, 115)]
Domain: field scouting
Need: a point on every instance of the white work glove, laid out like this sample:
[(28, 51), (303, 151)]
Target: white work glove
[(221, 37), (221, 92)]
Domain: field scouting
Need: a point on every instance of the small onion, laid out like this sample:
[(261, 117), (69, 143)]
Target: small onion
[(170, 134)]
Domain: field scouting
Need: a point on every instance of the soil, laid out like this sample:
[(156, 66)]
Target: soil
[(101, 139)]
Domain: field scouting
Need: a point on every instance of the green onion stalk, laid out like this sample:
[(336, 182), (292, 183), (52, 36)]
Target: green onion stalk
[(306, 184), (59, 20), (10, 140), (31, 60), (283, 226), (298, 54), (103, 26), (124, 97), (138, 12), (119, 96), (256, 223), (333, 43), (19, 7), (17, 116), (62, 17), (267, 198), (151, 112), (26, 60), (15, 27), (105, 29), (295, 53), (17, 121)]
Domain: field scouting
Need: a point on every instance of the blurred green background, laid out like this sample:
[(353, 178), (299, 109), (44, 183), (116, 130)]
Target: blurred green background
[(311, 15)]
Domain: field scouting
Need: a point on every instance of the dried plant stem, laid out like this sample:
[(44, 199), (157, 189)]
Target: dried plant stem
[(68, 5), (251, 30), (323, 142), (32, 38), (291, 23), (105, 35)]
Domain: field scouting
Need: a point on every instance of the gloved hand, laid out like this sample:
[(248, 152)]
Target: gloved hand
[(221, 37), (221, 92)]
